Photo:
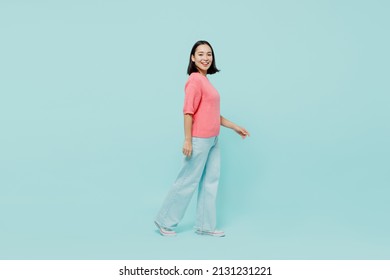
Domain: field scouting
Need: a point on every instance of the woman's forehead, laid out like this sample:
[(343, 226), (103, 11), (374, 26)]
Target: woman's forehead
[(203, 48)]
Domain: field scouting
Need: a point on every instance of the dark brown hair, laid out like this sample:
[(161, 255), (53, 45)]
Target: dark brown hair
[(191, 65)]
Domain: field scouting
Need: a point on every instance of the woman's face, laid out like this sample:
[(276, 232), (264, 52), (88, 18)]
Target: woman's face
[(202, 58)]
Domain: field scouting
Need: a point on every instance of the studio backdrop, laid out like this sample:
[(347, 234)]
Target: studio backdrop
[(91, 96)]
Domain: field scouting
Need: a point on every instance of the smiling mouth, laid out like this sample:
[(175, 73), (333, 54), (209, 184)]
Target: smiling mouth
[(204, 64)]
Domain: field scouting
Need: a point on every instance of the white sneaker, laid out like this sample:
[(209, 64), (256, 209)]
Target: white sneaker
[(165, 231), (216, 233)]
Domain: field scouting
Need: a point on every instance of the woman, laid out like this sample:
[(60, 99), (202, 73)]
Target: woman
[(202, 121)]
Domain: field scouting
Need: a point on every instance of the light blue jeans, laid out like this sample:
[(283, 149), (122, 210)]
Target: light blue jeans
[(200, 171)]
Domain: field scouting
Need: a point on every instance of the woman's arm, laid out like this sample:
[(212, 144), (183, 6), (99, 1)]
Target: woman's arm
[(240, 130), (187, 146)]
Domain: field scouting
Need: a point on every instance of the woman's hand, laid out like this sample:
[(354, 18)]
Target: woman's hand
[(241, 131), (187, 148)]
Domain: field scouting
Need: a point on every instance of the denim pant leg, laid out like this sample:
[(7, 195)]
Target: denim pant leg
[(180, 194), (207, 192)]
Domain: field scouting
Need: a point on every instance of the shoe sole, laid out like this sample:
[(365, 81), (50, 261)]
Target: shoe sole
[(210, 233), (164, 233)]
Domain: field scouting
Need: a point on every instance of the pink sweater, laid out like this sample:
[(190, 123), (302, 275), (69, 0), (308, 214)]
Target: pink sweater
[(202, 101)]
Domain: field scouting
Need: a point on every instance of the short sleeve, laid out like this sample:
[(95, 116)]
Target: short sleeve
[(193, 96)]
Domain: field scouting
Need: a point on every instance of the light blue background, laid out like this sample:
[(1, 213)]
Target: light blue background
[(91, 128)]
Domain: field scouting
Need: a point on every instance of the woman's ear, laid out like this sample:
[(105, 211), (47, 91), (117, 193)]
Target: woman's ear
[(192, 58)]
